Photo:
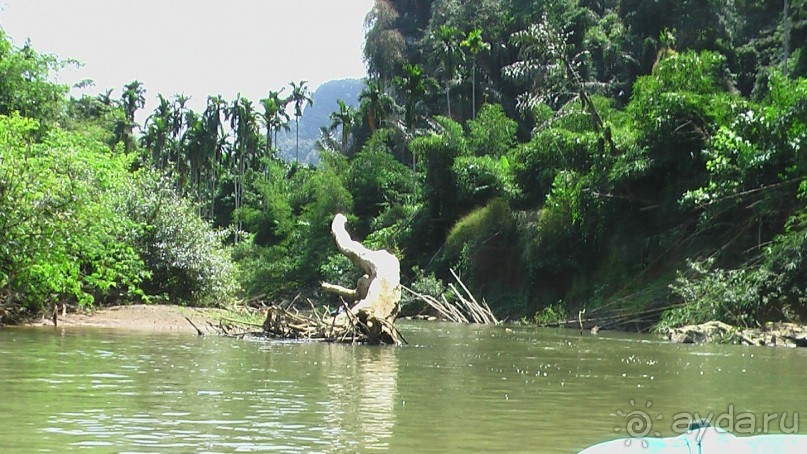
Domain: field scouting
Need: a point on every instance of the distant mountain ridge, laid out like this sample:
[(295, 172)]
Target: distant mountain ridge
[(316, 116)]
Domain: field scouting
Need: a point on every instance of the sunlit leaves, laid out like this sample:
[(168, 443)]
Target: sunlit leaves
[(26, 83), (60, 224)]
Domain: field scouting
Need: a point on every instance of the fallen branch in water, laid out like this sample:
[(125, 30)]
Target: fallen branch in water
[(466, 310), (198, 331)]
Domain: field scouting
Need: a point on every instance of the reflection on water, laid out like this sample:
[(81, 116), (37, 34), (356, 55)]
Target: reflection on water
[(457, 388), (361, 383)]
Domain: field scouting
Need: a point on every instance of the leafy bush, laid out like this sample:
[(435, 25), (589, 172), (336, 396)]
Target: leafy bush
[(479, 225), (480, 179), (535, 165), (425, 284), (773, 290), (492, 133), (377, 181), (553, 314), (267, 212), (326, 195), (183, 253), (61, 234), (730, 296)]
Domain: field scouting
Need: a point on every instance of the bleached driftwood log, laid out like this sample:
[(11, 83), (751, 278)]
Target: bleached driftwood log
[(375, 300), (377, 294)]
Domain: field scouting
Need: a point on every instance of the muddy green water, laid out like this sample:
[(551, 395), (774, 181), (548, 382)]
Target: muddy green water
[(455, 388)]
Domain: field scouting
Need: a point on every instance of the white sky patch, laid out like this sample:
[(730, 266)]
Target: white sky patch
[(195, 47)]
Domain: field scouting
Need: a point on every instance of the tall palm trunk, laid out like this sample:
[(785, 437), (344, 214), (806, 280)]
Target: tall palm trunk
[(448, 99), (297, 129), (473, 90), (786, 35)]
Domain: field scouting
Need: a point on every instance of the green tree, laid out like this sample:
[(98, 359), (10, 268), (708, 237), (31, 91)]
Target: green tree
[(243, 153), (379, 183), (158, 136), (438, 151), (274, 117), (26, 84), (414, 85), (63, 234), (343, 118), (180, 122), (133, 98), (492, 133), (300, 96), (448, 52), (385, 48), (375, 103), (475, 45), (213, 144)]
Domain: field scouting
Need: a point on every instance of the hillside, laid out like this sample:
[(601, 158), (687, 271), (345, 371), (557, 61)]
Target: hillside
[(316, 116)]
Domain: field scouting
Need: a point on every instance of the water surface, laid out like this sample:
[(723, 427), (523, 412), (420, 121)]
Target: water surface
[(455, 388)]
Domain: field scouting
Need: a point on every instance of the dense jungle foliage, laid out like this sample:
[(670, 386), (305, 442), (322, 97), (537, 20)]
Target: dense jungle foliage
[(641, 161)]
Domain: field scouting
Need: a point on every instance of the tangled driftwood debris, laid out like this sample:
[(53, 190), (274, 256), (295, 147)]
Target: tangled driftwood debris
[(466, 309), (785, 334), (371, 318)]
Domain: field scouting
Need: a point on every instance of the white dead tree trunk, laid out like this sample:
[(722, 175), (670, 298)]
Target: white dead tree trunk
[(375, 300), (377, 294)]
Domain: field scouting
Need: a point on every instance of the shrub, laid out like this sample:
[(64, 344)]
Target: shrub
[(62, 236), (492, 133), (730, 296), (185, 256), (479, 225), (480, 179), (553, 314)]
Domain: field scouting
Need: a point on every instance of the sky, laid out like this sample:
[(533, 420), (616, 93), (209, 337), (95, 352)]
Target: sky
[(195, 47)]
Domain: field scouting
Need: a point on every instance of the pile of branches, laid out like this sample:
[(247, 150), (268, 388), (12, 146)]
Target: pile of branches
[(466, 309), (319, 324)]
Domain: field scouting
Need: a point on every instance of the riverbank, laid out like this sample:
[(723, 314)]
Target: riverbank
[(203, 321), (772, 334), (142, 317)]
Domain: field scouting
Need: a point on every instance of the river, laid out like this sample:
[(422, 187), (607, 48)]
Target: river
[(454, 388)]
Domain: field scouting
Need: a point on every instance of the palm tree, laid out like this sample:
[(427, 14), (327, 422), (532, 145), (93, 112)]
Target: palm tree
[(157, 137), (300, 96), (475, 44), (414, 85), (326, 141), (375, 103), (446, 41), (214, 140), (105, 98), (132, 99), (343, 118), (244, 124), (274, 117), (193, 146), (179, 125)]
